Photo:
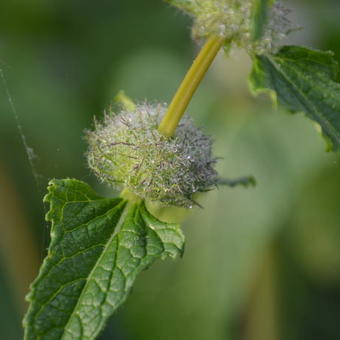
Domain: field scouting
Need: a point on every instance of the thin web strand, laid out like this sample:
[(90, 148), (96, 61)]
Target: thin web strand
[(28, 150)]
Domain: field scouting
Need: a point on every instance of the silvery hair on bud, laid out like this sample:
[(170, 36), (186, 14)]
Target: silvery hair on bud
[(126, 150), (233, 20)]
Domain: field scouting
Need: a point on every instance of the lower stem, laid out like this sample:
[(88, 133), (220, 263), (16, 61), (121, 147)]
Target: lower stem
[(189, 85)]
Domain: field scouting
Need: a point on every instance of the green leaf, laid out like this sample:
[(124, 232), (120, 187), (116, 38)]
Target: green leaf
[(260, 17), (246, 181), (302, 80), (98, 247)]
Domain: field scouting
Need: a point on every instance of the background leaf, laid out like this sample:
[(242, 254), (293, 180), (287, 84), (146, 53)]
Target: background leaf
[(91, 266), (302, 80)]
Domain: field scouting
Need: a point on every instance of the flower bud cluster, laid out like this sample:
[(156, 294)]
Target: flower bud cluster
[(233, 20), (127, 151)]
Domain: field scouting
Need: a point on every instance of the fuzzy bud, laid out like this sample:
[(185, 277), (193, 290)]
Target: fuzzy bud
[(232, 20), (126, 150)]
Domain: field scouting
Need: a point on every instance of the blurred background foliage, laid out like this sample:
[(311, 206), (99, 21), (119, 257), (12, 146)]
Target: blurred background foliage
[(260, 264)]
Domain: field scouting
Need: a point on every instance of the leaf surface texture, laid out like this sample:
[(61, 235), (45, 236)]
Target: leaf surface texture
[(98, 247), (302, 80)]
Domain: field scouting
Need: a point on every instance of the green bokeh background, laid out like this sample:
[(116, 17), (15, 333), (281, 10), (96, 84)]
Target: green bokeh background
[(260, 264)]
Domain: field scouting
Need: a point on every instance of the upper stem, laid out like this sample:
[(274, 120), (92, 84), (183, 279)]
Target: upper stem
[(189, 85)]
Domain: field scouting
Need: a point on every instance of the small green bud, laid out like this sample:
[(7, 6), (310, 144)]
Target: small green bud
[(127, 151), (232, 20)]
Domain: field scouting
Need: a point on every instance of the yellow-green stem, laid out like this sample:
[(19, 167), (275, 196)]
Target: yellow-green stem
[(189, 85)]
